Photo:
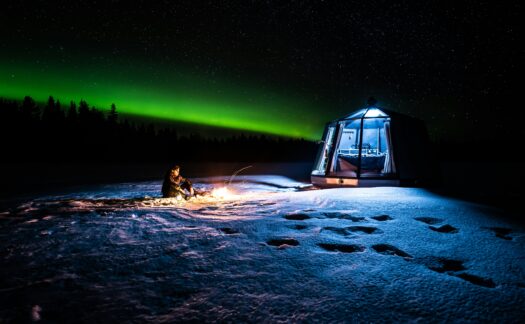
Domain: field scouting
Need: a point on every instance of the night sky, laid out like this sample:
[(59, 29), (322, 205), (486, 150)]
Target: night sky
[(280, 67)]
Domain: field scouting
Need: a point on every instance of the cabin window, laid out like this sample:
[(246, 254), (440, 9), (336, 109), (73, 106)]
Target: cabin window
[(376, 159), (345, 160), (376, 153)]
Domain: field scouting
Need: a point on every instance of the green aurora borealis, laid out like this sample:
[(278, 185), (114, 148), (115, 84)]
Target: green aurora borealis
[(165, 93)]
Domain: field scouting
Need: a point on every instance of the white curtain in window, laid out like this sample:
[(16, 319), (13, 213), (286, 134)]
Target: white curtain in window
[(389, 166)]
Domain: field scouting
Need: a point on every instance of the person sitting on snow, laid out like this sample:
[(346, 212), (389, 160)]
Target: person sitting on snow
[(174, 184)]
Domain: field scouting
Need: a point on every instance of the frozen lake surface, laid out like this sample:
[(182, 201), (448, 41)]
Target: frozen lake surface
[(270, 251)]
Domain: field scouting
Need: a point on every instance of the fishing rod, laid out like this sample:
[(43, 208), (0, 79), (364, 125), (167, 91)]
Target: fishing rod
[(237, 172)]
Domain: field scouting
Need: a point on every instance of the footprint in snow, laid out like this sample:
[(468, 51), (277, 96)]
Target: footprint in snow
[(364, 229), (449, 229), (336, 230), (443, 265), (338, 215), (388, 249), (484, 282), (456, 268), (345, 231), (345, 248), (501, 232), (298, 216), (282, 242), (329, 215), (382, 218), (429, 220), (228, 230), (299, 227)]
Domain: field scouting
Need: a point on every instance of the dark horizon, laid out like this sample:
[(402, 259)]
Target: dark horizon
[(75, 133), (157, 133), (182, 128)]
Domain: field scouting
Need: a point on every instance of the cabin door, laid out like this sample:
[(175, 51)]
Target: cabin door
[(326, 152)]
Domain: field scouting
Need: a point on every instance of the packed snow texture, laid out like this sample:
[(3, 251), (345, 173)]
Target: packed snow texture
[(270, 251)]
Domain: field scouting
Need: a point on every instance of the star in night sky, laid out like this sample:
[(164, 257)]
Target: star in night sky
[(280, 67)]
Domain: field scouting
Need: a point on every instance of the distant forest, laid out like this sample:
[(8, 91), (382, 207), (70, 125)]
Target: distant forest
[(53, 133)]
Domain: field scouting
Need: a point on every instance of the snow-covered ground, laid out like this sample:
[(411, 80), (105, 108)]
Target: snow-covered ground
[(270, 251)]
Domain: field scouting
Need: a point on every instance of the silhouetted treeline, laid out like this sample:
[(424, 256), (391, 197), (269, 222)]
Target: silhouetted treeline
[(75, 132)]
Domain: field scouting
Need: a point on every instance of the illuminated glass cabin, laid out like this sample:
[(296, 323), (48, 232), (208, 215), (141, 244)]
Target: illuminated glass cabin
[(373, 147)]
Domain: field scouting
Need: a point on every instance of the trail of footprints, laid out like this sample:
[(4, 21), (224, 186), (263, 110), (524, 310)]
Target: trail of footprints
[(499, 232), (450, 267), (431, 221), (455, 268), (346, 231)]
